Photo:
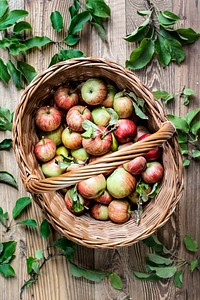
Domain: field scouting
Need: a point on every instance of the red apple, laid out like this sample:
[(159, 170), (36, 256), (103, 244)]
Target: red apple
[(65, 97), (100, 144), (74, 202), (152, 154), (136, 166), (126, 130), (92, 187), (71, 139), (120, 183), (48, 118), (153, 173), (123, 105), (104, 198), (76, 115), (52, 168), (108, 102), (94, 91), (45, 149), (99, 212), (119, 211), (141, 130)]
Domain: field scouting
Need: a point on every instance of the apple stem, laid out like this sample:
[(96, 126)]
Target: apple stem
[(108, 132), (48, 109), (83, 110), (43, 140)]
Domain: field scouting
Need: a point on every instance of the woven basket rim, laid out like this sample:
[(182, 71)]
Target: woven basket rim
[(164, 136)]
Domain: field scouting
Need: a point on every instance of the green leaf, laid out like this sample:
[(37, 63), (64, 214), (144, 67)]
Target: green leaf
[(139, 33), (17, 48), (153, 242), (194, 264), (5, 42), (21, 26), (71, 39), (8, 250), (6, 118), (195, 127), (35, 267), (190, 244), (71, 53), (8, 178), (115, 281), (54, 60), (191, 115), (114, 116), (188, 92), (144, 12), (184, 148), (98, 8), (56, 21), (186, 162), (146, 276), (179, 123), (195, 153), (15, 74), (29, 261), (89, 133), (100, 29), (6, 270), (175, 49), (4, 75), (160, 260), (45, 229), (78, 22), (11, 17), (188, 35), (6, 144), (86, 124), (92, 275), (164, 272), (20, 205), (186, 100), (141, 56), (164, 19), (162, 52), (73, 10), (139, 112), (169, 15), (178, 279), (3, 7), (27, 70), (164, 95), (3, 219), (67, 246), (37, 41), (1, 248), (28, 222), (182, 137), (39, 254)]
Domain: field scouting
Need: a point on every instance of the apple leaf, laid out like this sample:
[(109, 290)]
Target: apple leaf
[(37, 41), (3, 219), (68, 247), (162, 52), (78, 21), (164, 95), (3, 7), (20, 205), (21, 26), (146, 276), (115, 281), (164, 272), (190, 244), (26, 70), (195, 263), (15, 74), (139, 33), (6, 270), (45, 229), (159, 260), (4, 75), (114, 116), (98, 8), (77, 206), (6, 144), (71, 39), (8, 178), (28, 222), (11, 17), (56, 21), (178, 279), (93, 275)]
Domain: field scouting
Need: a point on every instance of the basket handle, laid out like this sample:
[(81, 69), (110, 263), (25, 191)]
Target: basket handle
[(103, 164)]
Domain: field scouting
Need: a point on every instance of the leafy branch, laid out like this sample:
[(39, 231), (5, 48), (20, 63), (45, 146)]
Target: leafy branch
[(156, 36), (163, 264)]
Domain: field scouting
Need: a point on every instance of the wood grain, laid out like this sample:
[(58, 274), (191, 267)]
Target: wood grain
[(56, 282)]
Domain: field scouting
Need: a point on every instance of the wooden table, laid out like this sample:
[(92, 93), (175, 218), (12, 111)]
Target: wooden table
[(55, 281)]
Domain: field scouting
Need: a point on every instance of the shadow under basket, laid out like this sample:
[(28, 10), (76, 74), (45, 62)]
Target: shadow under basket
[(84, 229)]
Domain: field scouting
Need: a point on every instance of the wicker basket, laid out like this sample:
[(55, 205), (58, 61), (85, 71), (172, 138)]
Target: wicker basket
[(84, 229)]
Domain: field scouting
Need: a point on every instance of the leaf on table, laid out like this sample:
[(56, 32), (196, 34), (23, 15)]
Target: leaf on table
[(93, 275), (29, 262), (4, 75), (28, 222), (139, 33), (37, 41), (195, 263), (159, 260), (144, 12), (186, 162), (187, 35), (17, 48), (175, 49), (195, 153), (20, 205), (45, 230), (78, 21), (184, 148), (8, 178), (73, 9), (178, 279), (67, 246), (146, 276), (6, 144), (182, 137), (164, 95), (164, 272), (11, 17), (71, 39), (191, 115), (179, 123), (115, 281), (162, 52), (35, 267), (27, 70), (190, 244), (39, 254), (167, 18), (153, 242), (8, 250), (15, 74), (142, 55), (6, 270), (98, 8), (5, 43), (3, 7), (195, 127), (21, 26), (170, 15), (56, 20), (3, 218)]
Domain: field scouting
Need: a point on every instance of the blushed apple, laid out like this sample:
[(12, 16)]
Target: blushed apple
[(99, 212), (141, 130), (100, 116), (108, 102), (75, 202), (119, 211), (152, 154), (123, 105), (94, 91), (48, 118), (65, 97), (76, 115), (104, 198), (52, 168), (153, 173), (136, 166), (92, 187), (71, 139), (125, 131), (120, 183), (45, 149)]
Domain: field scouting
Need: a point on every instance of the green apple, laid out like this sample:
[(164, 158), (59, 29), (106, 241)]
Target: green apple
[(100, 116), (80, 154), (108, 102), (62, 150), (94, 91), (52, 168), (54, 135), (123, 105)]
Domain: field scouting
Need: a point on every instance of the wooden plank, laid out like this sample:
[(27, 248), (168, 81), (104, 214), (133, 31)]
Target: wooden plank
[(55, 281)]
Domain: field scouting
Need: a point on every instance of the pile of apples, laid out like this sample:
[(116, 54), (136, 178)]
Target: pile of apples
[(82, 122)]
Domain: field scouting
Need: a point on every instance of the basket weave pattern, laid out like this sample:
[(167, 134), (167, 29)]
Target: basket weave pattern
[(84, 229)]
